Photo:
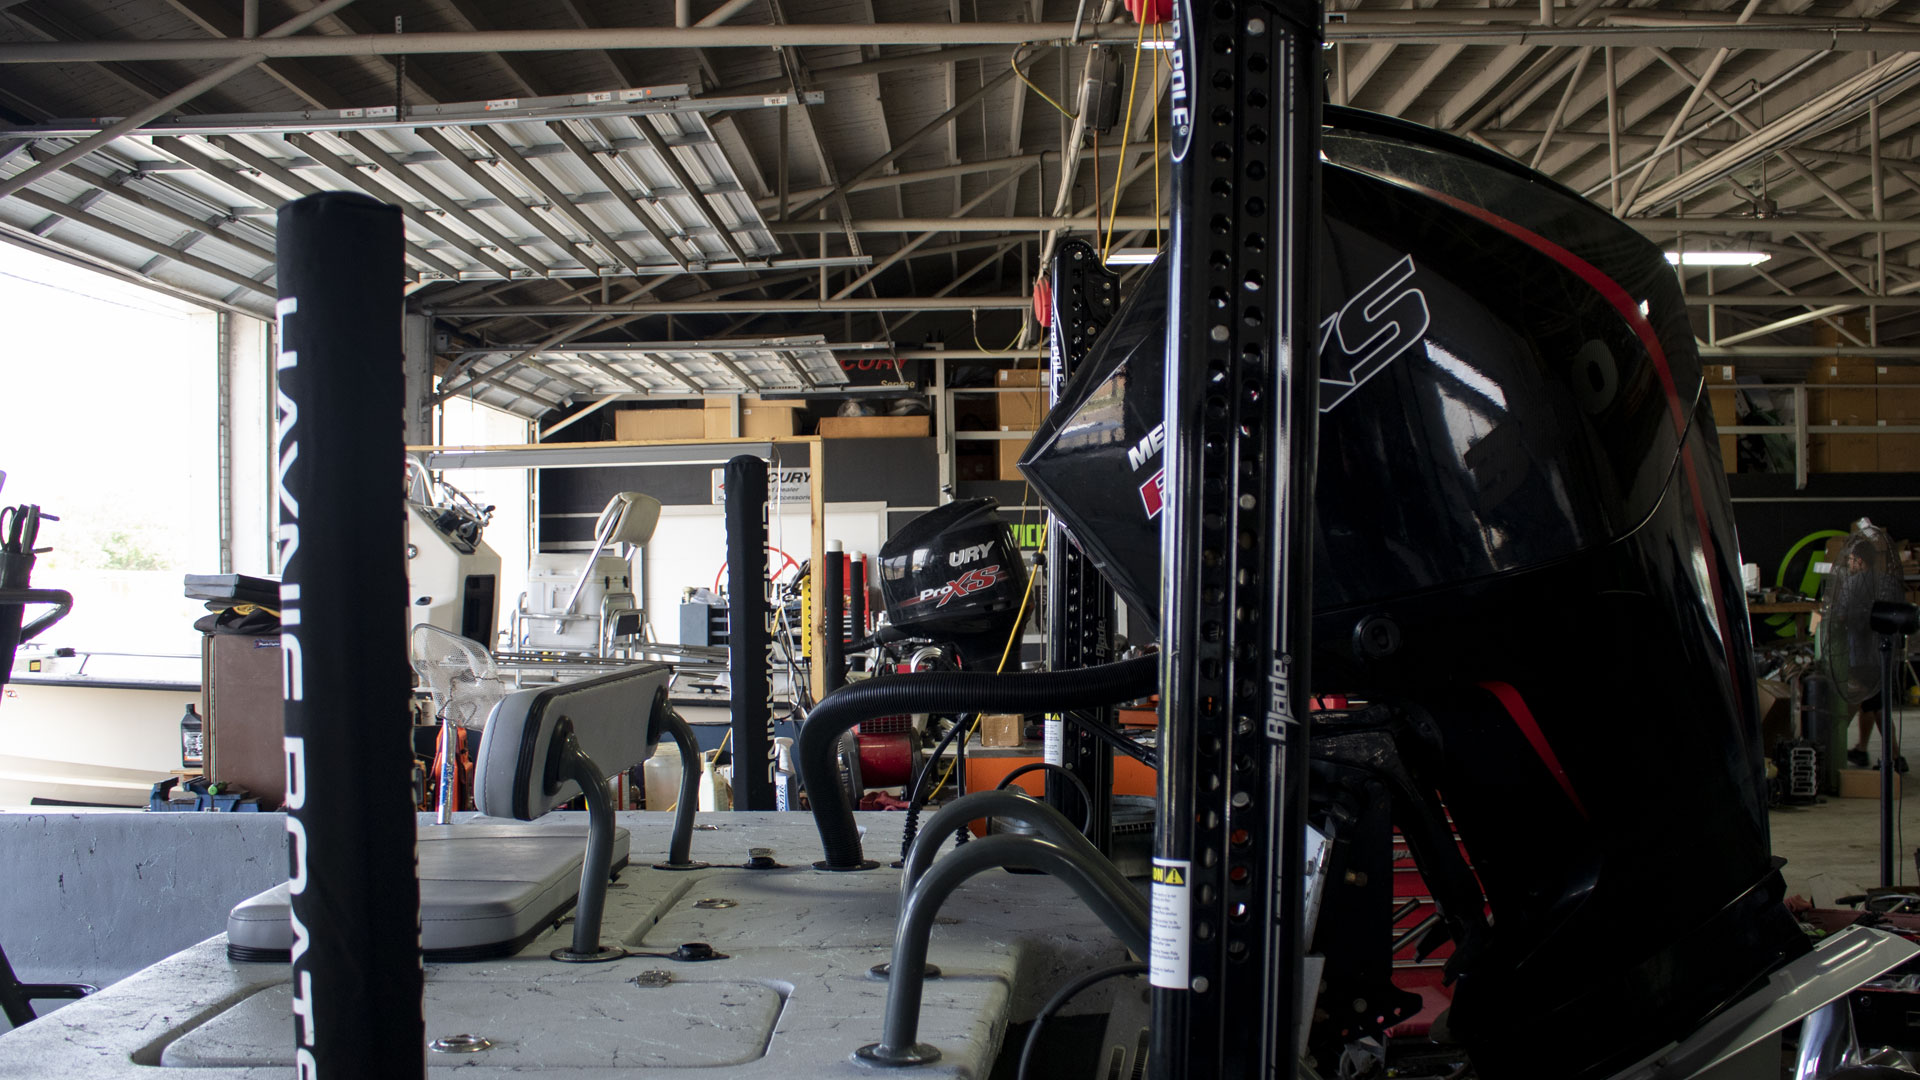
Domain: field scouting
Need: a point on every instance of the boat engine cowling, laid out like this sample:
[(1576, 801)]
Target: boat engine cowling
[(1522, 537)]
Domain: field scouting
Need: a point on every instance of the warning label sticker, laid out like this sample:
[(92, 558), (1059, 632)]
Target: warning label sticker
[(1172, 911), (1053, 748)]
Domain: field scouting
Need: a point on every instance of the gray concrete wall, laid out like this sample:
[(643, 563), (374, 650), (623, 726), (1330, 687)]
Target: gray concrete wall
[(93, 896)]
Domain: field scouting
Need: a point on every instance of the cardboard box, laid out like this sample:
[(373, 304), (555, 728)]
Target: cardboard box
[(1899, 453), (1723, 400), (875, 427), (1003, 730), (1864, 784), (1023, 376), (1837, 453), (1020, 410), (1843, 453), (1010, 453), (1717, 373), (636, 425), (768, 421), (718, 418), (1838, 369)]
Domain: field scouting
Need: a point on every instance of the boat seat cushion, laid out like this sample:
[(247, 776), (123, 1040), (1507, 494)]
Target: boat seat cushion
[(486, 890)]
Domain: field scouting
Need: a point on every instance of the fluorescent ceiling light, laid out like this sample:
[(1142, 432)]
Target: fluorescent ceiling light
[(1132, 256), (1163, 43), (1718, 258)]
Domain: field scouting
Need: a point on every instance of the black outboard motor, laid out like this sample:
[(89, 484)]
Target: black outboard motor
[(1520, 504), (954, 574)]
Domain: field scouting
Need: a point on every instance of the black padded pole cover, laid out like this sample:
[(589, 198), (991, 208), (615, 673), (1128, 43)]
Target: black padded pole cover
[(749, 642), (350, 816), (833, 653)]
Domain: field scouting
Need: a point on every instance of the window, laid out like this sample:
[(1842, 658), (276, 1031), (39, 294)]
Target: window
[(108, 399)]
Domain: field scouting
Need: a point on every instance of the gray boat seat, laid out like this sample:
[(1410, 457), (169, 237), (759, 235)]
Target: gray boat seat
[(486, 890), (489, 888)]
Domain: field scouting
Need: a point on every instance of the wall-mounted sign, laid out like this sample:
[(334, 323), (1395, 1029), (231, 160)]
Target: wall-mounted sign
[(786, 485)]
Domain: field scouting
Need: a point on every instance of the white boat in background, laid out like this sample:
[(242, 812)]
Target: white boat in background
[(95, 729)]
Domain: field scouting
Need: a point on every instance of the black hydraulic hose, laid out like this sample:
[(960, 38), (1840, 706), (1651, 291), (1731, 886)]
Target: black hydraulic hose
[(897, 1045), (680, 849), (917, 793), (1051, 825), (1021, 692), (1079, 785)]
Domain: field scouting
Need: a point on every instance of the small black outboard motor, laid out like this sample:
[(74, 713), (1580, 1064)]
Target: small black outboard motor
[(1519, 494), (954, 574)]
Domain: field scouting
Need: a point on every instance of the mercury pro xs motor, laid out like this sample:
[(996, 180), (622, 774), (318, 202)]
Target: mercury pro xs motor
[(954, 574), (1524, 561)]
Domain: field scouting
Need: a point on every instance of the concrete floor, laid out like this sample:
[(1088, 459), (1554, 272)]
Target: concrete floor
[(1833, 848)]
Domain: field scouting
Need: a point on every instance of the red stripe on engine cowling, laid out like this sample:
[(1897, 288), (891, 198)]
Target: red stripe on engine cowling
[(1516, 707)]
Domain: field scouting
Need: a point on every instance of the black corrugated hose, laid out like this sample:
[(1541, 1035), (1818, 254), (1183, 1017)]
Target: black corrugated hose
[(960, 691)]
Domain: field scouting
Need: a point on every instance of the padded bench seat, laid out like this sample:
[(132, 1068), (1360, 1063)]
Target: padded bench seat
[(486, 890)]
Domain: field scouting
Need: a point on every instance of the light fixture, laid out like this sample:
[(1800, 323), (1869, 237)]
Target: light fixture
[(1140, 256), (1162, 43), (1718, 258)]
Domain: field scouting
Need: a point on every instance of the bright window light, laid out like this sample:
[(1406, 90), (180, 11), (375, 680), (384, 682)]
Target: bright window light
[(1131, 256), (1718, 258)]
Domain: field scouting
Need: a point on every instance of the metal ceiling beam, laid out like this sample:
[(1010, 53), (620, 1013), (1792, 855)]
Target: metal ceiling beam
[(598, 168), (671, 160), (1809, 352), (353, 175), (170, 102), (559, 200), (509, 200), (1664, 226), (446, 202), (268, 167), (629, 37), (867, 69), (115, 184), (717, 306), (1072, 223), (292, 74), (878, 165), (1751, 300), (1819, 114), (177, 254), (919, 241)]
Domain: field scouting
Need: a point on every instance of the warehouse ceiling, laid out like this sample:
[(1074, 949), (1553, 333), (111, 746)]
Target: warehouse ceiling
[(612, 197)]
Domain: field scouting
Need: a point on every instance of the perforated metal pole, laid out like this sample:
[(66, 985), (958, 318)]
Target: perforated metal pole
[(749, 640), (350, 822), (1242, 384), (1080, 603)]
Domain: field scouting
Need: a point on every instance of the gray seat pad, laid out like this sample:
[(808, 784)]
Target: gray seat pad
[(485, 891)]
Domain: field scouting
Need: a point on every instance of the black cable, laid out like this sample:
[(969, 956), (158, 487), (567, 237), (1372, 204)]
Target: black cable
[(1061, 997), (916, 795), (1086, 797)]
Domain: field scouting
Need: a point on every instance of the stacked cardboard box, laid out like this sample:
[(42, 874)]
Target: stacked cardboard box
[(875, 427), (1899, 406), (1020, 409), (1721, 396), (1853, 404), (658, 424), (758, 420)]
